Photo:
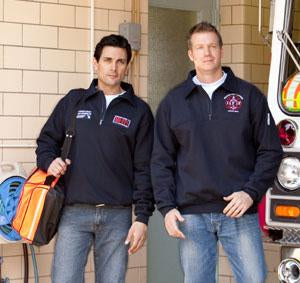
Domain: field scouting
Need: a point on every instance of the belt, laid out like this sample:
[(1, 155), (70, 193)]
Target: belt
[(102, 205)]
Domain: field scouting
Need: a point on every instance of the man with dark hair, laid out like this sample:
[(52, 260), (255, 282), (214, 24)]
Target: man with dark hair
[(107, 172), (216, 151)]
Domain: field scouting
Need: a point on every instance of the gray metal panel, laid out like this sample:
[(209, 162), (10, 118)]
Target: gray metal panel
[(162, 254)]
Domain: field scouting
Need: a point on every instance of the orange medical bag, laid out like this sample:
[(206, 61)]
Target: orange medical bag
[(39, 208), (42, 199)]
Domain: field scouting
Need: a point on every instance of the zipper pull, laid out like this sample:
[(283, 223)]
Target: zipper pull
[(101, 121), (209, 116)]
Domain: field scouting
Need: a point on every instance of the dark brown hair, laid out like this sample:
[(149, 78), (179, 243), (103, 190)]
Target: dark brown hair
[(113, 40)]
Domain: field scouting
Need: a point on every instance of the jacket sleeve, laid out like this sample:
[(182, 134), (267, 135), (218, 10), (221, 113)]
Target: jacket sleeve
[(163, 163), (143, 193), (268, 149), (51, 137)]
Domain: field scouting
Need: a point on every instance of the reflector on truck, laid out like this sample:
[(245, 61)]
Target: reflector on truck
[(291, 94)]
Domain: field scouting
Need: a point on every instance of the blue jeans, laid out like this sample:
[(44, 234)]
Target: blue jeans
[(82, 226), (240, 238)]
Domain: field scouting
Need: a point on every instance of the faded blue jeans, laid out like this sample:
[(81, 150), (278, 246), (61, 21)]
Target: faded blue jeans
[(82, 226), (240, 238)]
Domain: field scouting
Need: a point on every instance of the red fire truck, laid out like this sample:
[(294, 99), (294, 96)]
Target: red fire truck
[(282, 214)]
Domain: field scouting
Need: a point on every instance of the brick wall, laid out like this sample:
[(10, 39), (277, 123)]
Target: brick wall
[(245, 51), (44, 52)]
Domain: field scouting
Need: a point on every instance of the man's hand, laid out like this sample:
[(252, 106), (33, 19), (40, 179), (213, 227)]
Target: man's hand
[(238, 204), (171, 219), (58, 167), (136, 236)]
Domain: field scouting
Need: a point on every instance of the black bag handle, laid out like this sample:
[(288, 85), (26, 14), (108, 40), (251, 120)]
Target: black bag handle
[(70, 133), (49, 179)]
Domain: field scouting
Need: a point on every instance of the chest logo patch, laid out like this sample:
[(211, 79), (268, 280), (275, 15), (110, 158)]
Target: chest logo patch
[(121, 121), (233, 102), (84, 114)]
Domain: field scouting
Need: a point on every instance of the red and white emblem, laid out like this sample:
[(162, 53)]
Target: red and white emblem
[(121, 121), (233, 102)]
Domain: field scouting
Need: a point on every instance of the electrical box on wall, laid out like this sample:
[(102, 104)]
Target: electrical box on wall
[(132, 32)]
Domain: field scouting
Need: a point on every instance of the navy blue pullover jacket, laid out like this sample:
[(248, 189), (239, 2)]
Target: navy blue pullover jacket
[(207, 149), (110, 154)]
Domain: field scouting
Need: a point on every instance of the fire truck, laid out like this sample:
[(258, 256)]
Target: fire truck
[(282, 202)]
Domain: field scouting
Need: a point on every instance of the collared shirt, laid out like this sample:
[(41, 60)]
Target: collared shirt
[(111, 150), (110, 98), (207, 149), (210, 87)]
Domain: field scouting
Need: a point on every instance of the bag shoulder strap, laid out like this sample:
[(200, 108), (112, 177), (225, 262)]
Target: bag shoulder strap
[(70, 133)]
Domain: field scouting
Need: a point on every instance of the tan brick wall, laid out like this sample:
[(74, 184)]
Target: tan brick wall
[(44, 52), (248, 56)]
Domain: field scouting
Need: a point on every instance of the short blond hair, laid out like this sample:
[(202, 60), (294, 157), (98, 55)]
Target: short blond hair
[(203, 27)]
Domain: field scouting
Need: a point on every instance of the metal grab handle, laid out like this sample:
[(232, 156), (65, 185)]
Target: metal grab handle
[(293, 44), (280, 35)]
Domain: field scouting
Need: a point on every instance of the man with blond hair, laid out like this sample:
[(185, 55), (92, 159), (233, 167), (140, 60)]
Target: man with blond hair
[(216, 151)]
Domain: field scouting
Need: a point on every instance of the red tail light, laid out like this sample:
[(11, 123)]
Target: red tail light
[(287, 131)]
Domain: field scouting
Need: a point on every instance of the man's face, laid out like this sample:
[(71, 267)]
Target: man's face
[(111, 67), (205, 52)]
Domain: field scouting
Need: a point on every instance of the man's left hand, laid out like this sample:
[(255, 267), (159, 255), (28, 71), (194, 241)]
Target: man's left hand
[(238, 204), (136, 236)]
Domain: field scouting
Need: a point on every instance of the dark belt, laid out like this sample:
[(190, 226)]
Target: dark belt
[(103, 205)]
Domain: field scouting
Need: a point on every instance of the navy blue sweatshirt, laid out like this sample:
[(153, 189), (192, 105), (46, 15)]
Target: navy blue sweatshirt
[(207, 149), (110, 154)]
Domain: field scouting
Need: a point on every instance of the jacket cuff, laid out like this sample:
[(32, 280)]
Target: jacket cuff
[(142, 218), (165, 210), (252, 193), (47, 164), (44, 164)]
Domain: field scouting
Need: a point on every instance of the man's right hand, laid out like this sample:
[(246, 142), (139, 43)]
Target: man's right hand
[(58, 167), (171, 219)]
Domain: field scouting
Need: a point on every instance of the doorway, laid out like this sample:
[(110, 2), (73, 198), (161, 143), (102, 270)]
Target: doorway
[(169, 23)]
